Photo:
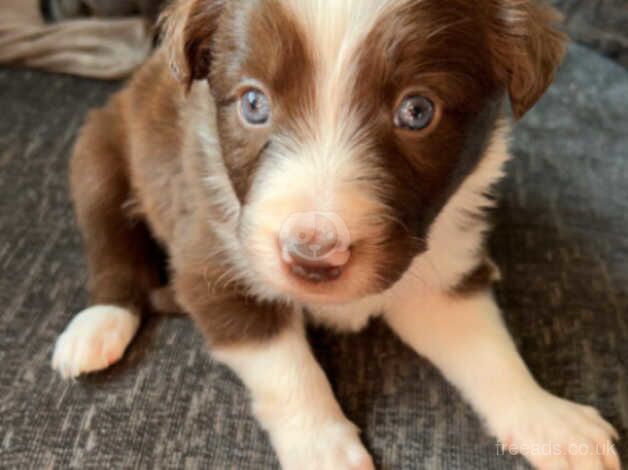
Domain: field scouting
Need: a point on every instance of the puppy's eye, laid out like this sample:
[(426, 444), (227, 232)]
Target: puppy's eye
[(414, 113), (255, 107)]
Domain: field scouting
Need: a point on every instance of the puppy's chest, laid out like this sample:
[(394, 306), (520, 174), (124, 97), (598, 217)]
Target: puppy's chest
[(350, 317)]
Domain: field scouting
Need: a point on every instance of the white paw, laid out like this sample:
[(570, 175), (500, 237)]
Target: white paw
[(556, 434), (95, 339), (335, 446)]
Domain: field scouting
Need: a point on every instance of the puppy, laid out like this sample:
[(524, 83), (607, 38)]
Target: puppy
[(323, 160)]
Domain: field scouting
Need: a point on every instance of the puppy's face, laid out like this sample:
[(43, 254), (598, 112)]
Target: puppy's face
[(346, 125)]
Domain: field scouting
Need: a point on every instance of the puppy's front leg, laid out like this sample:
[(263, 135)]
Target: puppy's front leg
[(265, 344), (294, 402), (464, 336)]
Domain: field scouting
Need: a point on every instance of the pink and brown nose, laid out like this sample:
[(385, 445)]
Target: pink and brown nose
[(315, 246)]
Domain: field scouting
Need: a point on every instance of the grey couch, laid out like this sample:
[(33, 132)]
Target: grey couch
[(561, 239)]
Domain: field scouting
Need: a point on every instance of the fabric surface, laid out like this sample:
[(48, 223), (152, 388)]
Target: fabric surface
[(98, 48), (601, 24), (68, 9), (561, 239)]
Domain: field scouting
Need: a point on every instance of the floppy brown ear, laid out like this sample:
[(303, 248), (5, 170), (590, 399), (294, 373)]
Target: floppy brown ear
[(187, 29), (527, 47)]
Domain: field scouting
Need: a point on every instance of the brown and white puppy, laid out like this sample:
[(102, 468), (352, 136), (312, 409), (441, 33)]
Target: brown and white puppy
[(328, 160)]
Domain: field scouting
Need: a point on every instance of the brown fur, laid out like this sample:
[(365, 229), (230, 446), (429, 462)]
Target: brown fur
[(526, 46), (122, 256), (140, 151), (280, 48), (120, 185), (478, 280), (455, 70)]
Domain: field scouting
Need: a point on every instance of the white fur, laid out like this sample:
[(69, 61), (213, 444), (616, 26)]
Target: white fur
[(351, 317), (95, 339), (294, 402), (456, 238), (466, 339), (336, 30)]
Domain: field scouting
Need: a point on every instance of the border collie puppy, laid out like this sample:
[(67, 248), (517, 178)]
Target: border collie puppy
[(325, 161)]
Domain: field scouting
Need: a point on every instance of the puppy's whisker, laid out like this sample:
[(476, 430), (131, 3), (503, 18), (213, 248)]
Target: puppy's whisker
[(218, 283)]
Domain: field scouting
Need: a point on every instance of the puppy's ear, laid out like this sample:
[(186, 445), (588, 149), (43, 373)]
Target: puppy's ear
[(527, 48), (188, 27)]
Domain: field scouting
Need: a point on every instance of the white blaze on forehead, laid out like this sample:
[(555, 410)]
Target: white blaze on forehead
[(328, 152), (335, 31)]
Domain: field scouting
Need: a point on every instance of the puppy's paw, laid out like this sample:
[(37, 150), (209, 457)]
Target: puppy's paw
[(335, 446), (95, 339), (553, 433)]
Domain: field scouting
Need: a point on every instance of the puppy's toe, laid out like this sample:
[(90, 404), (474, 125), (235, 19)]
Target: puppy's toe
[(335, 446), (95, 339), (553, 433)]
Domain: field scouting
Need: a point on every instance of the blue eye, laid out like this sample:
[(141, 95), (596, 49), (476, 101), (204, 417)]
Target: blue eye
[(255, 107), (415, 113)]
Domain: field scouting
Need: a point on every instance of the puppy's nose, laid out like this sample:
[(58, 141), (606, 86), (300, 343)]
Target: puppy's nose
[(314, 248)]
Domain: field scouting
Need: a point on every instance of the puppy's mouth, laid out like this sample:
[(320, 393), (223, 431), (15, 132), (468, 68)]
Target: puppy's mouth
[(311, 268), (316, 262), (320, 284)]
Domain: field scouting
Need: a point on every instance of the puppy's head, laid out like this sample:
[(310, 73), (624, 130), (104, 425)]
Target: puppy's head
[(347, 125)]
